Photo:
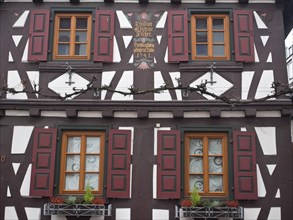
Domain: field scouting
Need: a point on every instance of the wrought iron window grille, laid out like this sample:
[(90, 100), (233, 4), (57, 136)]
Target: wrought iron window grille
[(209, 212), (77, 209)]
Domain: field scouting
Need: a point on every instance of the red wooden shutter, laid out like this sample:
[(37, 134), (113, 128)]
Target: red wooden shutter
[(119, 164), (244, 39), (38, 35), (43, 162), (168, 186), (104, 33), (177, 36), (245, 182)]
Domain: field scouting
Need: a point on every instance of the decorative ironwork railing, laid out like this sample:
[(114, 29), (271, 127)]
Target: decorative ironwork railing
[(209, 212), (77, 209)]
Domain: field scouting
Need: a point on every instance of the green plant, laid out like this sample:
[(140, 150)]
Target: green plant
[(88, 196), (70, 200), (195, 197)]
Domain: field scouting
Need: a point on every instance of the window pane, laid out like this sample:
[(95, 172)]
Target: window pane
[(64, 36), (64, 23), (80, 36), (201, 23), (215, 183), (196, 181), (92, 163), (81, 23), (63, 49), (80, 49), (195, 165), (195, 146), (215, 146), (218, 37), (92, 180), (72, 162), (73, 145), (201, 37), (219, 50), (93, 145), (71, 181), (215, 164), (218, 24), (202, 50)]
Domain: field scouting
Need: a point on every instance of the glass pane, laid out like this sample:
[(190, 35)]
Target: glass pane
[(73, 145), (215, 164), (196, 181), (218, 24), (215, 183), (80, 36), (63, 49), (202, 50), (81, 23), (195, 146), (201, 37), (92, 163), (201, 23), (65, 23), (71, 181), (219, 50), (218, 37), (195, 165), (215, 145), (92, 180), (64, 36), (72, 163), (80, 49), (93, 145)]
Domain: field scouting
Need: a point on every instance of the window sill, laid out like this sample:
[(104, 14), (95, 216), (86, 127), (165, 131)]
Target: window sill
[(77, 209), (209, 212)]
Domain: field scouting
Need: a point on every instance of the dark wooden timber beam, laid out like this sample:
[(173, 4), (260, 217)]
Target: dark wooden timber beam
[(176, 1), (143, 1), (109, 1), (243, 1), (37, 1), (210, 1), (74, 1)]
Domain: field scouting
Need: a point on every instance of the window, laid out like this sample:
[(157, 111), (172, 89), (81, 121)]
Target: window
[(82, 162), (206, 163), (210, 37), (72, 36)]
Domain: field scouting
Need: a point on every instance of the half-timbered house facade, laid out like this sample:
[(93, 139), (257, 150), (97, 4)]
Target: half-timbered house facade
[(142, 101)]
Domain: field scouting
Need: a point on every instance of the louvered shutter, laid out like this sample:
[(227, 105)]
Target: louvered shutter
[(177, 36), (245, 182), (38, 35), (168, 186), (243, 36), (104, 34), (118, 179), (43, 162)]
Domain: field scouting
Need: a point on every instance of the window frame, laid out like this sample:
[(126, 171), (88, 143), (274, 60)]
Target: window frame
[(227, 174), (73, 15), (227, 32), (62, 163)]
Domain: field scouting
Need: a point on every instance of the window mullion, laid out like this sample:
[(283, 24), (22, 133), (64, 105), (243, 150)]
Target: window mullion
[(210, 36), (206, 164), (82, 163), (72, 35)]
